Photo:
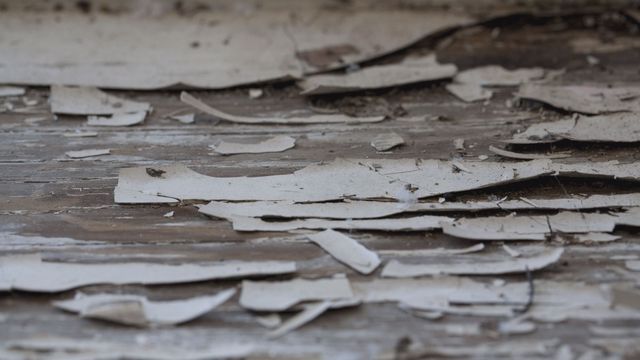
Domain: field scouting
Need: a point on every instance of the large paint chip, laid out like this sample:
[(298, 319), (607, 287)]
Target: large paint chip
[(352, 178), (139, 311), (30, 273)]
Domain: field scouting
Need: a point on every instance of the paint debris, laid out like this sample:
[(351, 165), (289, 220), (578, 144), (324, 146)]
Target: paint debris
[(31, 273), (313, 119), (385, 142), (346, 250), (80, 154), (139, 311), (411, 70), (271, 145)]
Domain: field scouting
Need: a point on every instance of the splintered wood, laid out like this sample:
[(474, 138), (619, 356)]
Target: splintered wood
[(367, 181)]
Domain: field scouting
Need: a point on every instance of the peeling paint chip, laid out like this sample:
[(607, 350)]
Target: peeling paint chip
[(274, 144), (526, 156), (419, 223), (353, 178), (128, 119), (469, 92), (88, 348), (616, 127), (584, 99), (494, 75), (536, 227), (139, 311), (347, 250), (313, 119), (282, 295), (91, 101), (30, 273), (411, 70), (384, 142), (11, 91), (87, 153), (511, 265)]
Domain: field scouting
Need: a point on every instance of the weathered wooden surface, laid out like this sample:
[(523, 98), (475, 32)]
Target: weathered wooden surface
[(46, 195)]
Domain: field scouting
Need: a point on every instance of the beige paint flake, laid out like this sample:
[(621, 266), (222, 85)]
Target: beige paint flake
[(494, 75), (542, 133), (282, 295), (80, 154), (139, 311), (291, 41), (271, 145), (523, 264), (313, 119), (411, 70), (31, 273), (350, 178), (419, 223), (91, 101), (185, 119), (469, 92), (114, 120), (616, 127), (584, 99), (385, 142), (346, 250), (526, 156)]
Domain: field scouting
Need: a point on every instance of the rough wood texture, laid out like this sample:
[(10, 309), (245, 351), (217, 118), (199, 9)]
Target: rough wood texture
[(43, 194)]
